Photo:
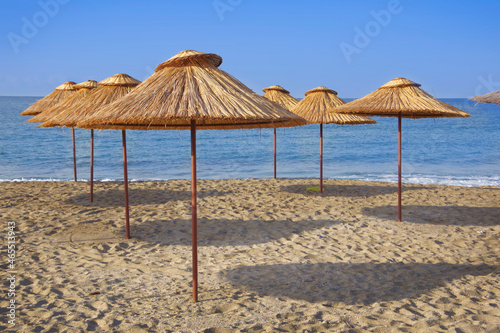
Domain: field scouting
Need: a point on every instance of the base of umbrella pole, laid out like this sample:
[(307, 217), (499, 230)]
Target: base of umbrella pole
[(194, 213), (91, 165), (74, 155), (125, 185), (275, 153), (321, 158), (399, 169)]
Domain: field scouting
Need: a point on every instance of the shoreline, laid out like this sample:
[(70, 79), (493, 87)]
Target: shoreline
[(135, 180), (272, 256)]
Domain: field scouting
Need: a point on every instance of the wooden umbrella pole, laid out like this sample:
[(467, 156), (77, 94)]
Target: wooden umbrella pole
[(194, 216), (91, 165), (399, 168), (320, 158), (275, 153), (74, 155), (125, 185)]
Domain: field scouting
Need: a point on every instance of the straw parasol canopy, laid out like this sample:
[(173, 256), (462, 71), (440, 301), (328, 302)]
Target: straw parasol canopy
[(190, 86), (108, 91), (89, 84), (400, 98), (83, 89), (281, 96), (318, 101), (189, 91), (314, 109), (492, 97), (60, 93)]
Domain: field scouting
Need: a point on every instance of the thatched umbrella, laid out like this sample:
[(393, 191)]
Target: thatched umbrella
[(314, 108), (108, 91), (400, 98), (492, 97), (281, 96), (188, 91), (60, 93), (83, 89), (67, 103)]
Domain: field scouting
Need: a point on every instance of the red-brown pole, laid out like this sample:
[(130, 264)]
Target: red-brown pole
[(194, 214), (91, 165), (399, 168), (125, 185), (275, 153), (74, 155), (320, 158)]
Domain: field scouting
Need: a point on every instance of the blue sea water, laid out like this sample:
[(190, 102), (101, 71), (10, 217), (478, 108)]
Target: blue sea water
[(452, 151)]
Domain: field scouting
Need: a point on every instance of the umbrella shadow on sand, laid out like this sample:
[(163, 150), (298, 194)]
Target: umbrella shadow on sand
[(222, 232), (360, 283), (335, 190), (115, 197), (447, 215)]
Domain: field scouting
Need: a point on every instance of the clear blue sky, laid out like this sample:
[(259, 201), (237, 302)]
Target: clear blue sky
[(451, 47)]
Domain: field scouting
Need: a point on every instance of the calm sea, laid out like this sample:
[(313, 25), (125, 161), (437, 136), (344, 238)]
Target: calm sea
[(453, 151)]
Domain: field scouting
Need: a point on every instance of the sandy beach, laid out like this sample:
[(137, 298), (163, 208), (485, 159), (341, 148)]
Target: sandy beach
[(273, 257)]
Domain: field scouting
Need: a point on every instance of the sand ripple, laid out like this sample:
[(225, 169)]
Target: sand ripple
[(273, 257)]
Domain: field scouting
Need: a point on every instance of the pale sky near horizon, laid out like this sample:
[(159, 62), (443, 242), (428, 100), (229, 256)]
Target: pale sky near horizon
[(450, 47)]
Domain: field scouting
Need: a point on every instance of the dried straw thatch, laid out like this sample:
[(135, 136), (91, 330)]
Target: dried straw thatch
[(60, 93), (492, 97), (188, 91), (189, 86), (314, 108), (67, 103), (281, 96), (400, 96), (107, 92), (89, 84)]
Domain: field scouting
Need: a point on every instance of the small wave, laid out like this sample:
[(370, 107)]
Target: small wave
[(34, 180), (467, 181), (83, 180), (472, 181)]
